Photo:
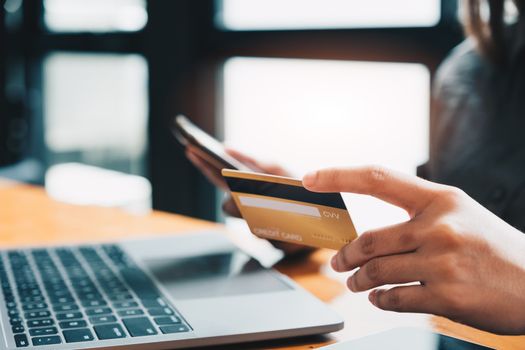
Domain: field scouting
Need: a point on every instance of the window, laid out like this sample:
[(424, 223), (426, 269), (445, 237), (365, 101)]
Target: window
[(95, 113), (95, 15), (310, 114), (340, 53), (95, 109), (326, 14)]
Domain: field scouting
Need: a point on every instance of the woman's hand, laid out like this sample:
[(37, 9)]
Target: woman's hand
[(468, 264), (214, 176)]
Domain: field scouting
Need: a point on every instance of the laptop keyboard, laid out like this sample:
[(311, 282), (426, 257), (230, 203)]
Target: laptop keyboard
[(81, 294)]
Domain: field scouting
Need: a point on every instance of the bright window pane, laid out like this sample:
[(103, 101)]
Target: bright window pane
[(310, 114), (95, 110), (95, 15), (307, 14)]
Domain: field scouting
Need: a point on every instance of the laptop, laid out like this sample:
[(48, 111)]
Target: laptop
[(159, 293)]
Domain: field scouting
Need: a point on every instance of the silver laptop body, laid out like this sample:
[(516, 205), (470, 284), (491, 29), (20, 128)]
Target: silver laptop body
[(159, 293)]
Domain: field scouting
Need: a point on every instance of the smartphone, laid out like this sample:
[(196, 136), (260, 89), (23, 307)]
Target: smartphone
[(207, 147)]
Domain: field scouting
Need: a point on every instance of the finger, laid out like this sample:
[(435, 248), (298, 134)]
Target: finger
[(230, 208), (408, 192), (273, 169), (200, 162), (396, 269), (196, 158), (404, 299), (396, 239), (210, 162), (255, 165), (193, 150), (243, 158)]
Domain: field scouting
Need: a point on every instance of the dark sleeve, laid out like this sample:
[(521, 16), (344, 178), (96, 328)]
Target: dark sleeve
[(458, 117)]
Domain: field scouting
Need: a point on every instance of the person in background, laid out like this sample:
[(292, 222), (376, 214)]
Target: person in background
[(478, 113), (462, 250)]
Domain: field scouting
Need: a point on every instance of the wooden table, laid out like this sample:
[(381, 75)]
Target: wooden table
[(29, 217)]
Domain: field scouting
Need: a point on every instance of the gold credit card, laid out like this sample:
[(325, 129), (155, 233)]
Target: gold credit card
[(280, 208)]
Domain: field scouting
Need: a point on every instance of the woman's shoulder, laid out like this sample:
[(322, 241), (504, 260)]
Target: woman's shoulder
[(463, 67)]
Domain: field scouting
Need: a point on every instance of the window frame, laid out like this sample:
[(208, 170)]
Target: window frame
[(186, 72)]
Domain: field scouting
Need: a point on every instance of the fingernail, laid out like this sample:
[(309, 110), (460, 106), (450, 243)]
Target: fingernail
[(372, 296), (333, 262), (351, 283), (310, 179), (190, 155)]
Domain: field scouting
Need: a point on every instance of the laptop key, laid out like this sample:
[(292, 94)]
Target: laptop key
[(99, 311), (15, 320), (102, 319), (130, 312), (139, 326), (43, 331), (18, 329), (34, 306), (65, 307), (34, 299), (174, 329), (151, 303), (89, 296), (21, 341), (48, 340), (87, 289), (72, 324), (30, 293), (166, 320), (62, 300), (78, 335), (157, 311), (69, 316), (125, 304), (115, 288), (59, 293), (40, 323), (120, 297), (109, 331), (57, 290), (93, 303), (37, 314)]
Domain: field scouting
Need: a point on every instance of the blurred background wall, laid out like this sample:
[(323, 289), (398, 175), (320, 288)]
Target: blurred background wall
[(305, 83)]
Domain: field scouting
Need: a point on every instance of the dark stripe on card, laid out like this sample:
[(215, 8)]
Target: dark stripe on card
[(294, 193)]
